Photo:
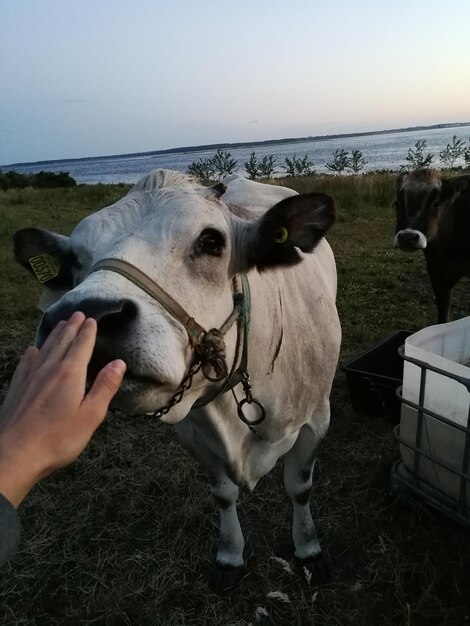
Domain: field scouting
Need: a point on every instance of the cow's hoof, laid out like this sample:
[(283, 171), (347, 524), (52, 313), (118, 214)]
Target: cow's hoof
[(315, 569), (224, 578)]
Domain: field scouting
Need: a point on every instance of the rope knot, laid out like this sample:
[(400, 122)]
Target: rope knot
[(210, 351)]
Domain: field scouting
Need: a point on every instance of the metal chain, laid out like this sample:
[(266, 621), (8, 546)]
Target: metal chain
[(178, 395), (245, 382), (210, 354)]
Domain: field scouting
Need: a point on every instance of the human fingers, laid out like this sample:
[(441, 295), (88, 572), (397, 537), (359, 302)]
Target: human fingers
[(61, 342), (49, 343), (81, 348), (104, 388), (25, 364)]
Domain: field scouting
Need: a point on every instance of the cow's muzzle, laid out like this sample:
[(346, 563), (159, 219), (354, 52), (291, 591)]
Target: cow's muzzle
[(208, 346), (114, 319), (112, 316), (410, 240)]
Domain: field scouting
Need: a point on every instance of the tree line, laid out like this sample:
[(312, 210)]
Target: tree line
[(40, 180)]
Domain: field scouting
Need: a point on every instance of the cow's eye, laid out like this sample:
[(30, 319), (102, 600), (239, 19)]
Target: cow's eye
[(211, 241)]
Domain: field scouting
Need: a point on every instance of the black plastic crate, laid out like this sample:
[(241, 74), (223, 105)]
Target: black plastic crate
[(374, 375)]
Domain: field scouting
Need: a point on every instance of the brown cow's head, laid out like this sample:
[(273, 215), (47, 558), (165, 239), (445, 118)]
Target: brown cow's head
[(421, 201)]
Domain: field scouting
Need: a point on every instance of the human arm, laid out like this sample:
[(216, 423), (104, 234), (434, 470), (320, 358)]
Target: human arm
[(47, 418), (9, 529)]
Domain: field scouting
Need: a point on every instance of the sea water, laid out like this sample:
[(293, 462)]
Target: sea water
[(385, 151)]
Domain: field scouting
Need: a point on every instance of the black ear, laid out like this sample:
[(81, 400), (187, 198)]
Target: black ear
[(295, 222), (46, 255), (218, 189), (452, 188)]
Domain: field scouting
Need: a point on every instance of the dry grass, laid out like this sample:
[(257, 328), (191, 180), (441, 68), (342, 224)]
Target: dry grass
[(125, 536)]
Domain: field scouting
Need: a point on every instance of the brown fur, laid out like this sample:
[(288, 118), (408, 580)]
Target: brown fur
[(439, 208)]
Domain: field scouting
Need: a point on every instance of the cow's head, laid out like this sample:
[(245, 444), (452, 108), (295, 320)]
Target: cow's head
[(422, 198), (185, 239)]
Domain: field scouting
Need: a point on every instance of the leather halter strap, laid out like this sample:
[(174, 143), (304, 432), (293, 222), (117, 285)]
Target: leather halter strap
[(196, 333), (136, 276)]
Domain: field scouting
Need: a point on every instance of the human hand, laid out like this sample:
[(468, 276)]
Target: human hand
[(47, 420)]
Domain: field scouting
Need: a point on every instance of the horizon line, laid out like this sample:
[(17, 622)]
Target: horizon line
[(245, 144)]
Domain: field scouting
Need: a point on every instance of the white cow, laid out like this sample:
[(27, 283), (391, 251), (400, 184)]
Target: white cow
[(172, 246)]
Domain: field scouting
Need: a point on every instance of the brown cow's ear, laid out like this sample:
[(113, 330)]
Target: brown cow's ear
[(46, 255), (297, 222), (452, 188)]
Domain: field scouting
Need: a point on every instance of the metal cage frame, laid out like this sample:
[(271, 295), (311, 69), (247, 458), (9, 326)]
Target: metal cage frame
[(404, 478)]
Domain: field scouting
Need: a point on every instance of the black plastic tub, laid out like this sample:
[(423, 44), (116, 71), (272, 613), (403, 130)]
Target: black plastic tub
[(373, 377)]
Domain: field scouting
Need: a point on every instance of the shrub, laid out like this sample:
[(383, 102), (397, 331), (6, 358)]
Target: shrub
[(416, 158), (15, 180), (267, 166), (48, 180), (41, 180), (218, 166), (340, 161), (357, 162), (260, 169), (466, 156), (452, 152), (297, 166), (224, 163), (252, 167), (202, 169)]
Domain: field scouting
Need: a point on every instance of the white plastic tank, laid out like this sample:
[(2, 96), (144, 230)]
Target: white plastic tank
[(447, 347)]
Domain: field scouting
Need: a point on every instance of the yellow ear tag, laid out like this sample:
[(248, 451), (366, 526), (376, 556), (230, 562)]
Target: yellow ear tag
[(45, 267), (280, 236)]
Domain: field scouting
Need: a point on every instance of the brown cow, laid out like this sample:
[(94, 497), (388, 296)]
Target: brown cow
[(433, 215)]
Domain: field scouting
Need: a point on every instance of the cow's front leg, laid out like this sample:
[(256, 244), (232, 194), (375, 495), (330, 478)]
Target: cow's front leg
[(298, 468), (229, 567), (442, 296), (442, 280)]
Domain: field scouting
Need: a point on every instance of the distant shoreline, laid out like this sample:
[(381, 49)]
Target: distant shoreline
[(244, 144)]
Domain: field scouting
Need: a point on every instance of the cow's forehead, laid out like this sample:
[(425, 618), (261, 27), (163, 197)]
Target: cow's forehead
[(153, 215)]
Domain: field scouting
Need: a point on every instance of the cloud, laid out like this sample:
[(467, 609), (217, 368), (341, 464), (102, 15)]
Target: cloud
[(73, 101)]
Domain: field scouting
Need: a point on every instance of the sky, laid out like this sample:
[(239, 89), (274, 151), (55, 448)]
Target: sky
[(98, 77)]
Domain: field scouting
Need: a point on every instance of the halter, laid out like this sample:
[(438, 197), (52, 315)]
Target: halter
[(208, 346)]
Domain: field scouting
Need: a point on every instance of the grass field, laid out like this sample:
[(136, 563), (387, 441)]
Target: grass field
[(125, 536)]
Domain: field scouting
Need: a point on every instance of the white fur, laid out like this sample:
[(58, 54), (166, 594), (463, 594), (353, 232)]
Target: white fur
[(154, 228)]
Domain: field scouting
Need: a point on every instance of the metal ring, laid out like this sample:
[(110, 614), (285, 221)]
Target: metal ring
[(241, 415), (210, 363)]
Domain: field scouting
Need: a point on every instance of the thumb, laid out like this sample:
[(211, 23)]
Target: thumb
[(104, 388)]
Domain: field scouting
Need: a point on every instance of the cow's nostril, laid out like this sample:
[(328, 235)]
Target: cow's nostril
[(112, 316), (114, 321), (408, 238)]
